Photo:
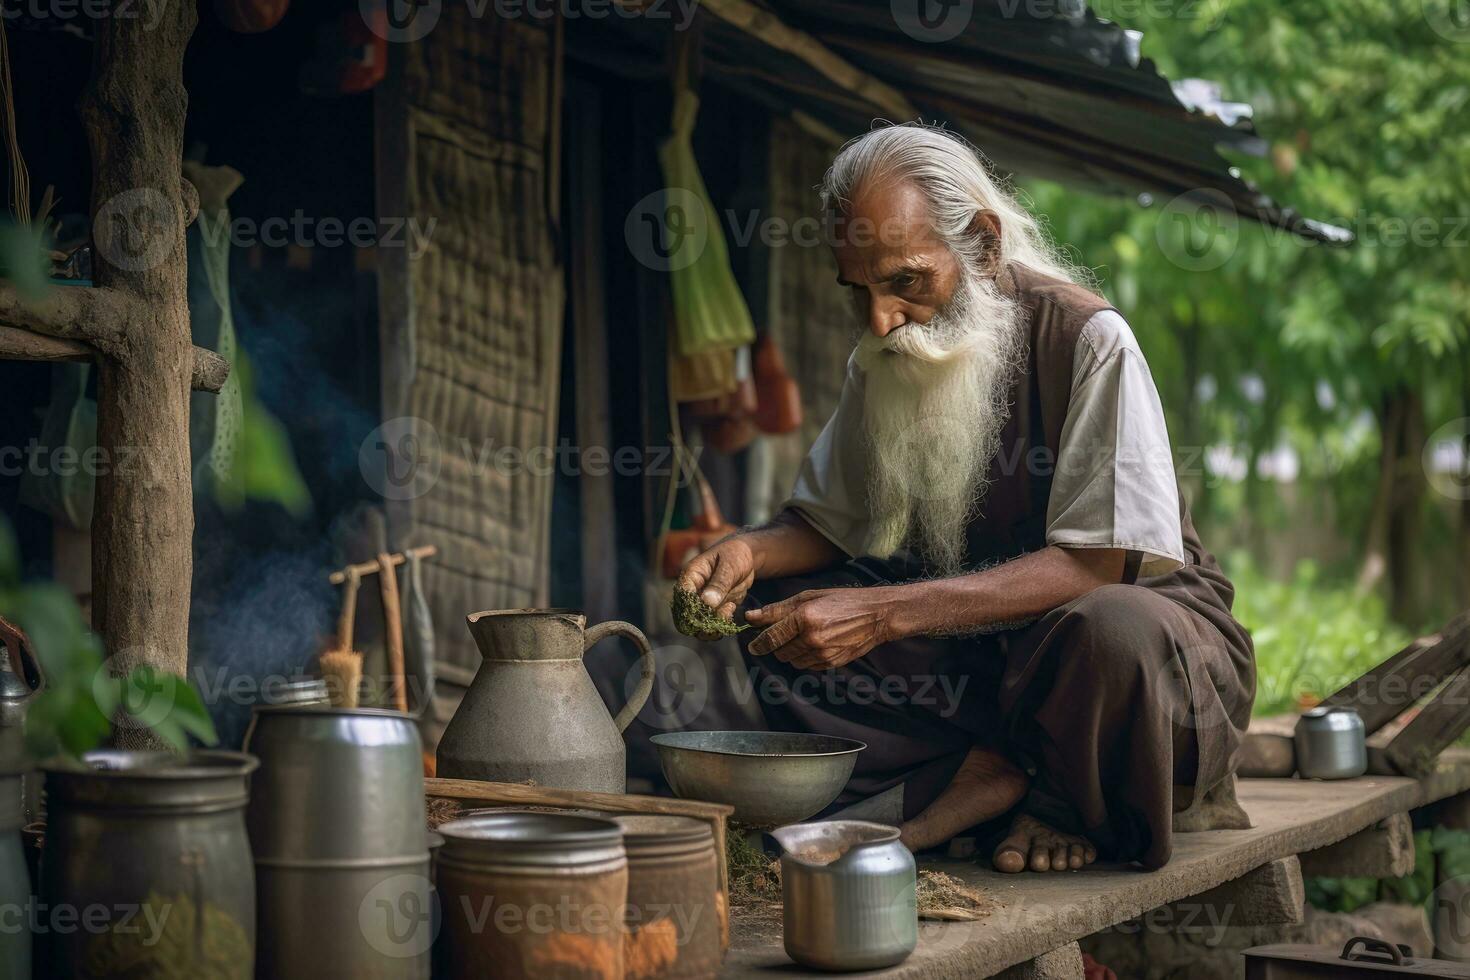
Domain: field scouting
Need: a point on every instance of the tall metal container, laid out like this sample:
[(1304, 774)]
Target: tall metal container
[(341, 844), (850, 895), (673, 898), (147, 855), (533, 896), (15, 882)]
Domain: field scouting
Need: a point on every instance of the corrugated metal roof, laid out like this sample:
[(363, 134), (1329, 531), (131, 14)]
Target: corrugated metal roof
[(1044, 87)]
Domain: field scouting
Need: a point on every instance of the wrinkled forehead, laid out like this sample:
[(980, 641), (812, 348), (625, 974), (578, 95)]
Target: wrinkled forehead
[(888, 214)]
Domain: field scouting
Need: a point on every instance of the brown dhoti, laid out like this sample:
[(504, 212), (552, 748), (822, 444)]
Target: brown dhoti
[(1109, 702)]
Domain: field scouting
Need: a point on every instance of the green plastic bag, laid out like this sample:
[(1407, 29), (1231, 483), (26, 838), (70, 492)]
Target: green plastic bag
[(709, 311)]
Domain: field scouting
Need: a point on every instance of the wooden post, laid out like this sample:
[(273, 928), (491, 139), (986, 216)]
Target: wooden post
[(137, 319)]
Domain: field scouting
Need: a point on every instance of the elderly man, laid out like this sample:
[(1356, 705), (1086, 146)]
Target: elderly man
[(1000, 548)]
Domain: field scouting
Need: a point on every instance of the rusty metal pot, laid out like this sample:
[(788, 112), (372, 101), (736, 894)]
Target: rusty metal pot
[(147, 869), (529, 896), (673, 914)]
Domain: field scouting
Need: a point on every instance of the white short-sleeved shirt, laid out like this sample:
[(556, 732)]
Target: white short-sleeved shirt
[(1114, 483)]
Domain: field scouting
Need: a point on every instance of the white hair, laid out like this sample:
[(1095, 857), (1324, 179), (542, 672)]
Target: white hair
[(955, 180)]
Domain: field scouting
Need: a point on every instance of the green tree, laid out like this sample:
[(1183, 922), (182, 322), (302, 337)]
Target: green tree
[(1354, 355)]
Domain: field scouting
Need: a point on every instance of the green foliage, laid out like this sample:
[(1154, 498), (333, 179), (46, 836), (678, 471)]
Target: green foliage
[(1439, 851), (82, 698), (1257, 339), (264, 468), (1312, 636)]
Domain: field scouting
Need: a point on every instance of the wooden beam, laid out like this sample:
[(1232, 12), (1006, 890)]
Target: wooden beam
[(769, 29), (1385, 850), (1062, 963), (208, 374), (1384, 692), (1273, 894), (1415, 751)]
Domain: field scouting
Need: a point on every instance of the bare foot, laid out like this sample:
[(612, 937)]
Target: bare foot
[(985, 786), (1035, 846)]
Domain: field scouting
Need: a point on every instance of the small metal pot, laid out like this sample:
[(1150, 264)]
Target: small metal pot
[(850, 892), (527, 896), (1331, 744)]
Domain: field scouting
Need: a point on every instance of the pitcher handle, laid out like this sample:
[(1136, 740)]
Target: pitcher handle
[(616, 627)]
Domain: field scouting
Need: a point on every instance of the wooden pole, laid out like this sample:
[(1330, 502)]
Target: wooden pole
[(143, 520)]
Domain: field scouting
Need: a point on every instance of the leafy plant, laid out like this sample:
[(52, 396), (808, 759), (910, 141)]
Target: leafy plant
[(1312, 635), (83, 699)]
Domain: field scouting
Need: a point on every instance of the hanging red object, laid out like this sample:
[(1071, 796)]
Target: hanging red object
[(351, 53), (708, 527), (250, 16), (778, 408)]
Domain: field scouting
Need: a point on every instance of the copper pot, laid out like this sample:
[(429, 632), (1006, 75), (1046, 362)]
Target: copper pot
[(528, 896), (673, 914)]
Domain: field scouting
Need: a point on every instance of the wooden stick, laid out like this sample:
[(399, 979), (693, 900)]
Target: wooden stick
[(208, 373), (393, 627), (372, 567), (518, 794), (349, 610), (770, 29)]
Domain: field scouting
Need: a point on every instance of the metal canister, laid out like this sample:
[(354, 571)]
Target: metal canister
[(526, 896), (673, 914), (850, 895), (338, 829), (295, 690), (1330, 744), (15, 883), (148, 861)]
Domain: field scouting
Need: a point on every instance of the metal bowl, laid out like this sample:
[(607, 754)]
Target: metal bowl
[(770, 778)]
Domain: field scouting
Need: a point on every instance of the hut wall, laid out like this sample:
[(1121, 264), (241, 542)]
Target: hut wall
[(472, 334), (809, 315)]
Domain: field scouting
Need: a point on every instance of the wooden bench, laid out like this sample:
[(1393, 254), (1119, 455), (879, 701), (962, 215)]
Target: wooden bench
[(1034, 932)]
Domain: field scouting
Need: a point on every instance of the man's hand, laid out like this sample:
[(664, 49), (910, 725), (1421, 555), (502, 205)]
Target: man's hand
[(722, 575), (825, 628)]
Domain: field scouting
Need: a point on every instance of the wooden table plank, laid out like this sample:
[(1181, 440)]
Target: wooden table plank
[(1038, 913)]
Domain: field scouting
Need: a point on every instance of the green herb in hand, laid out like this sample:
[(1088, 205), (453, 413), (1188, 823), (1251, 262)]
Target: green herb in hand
[(693, 617)]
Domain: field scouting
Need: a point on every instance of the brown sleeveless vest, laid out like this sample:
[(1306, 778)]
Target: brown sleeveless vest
[(1012, 519)]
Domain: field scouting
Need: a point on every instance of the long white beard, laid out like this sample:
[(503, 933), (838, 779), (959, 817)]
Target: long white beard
[(935, 402)]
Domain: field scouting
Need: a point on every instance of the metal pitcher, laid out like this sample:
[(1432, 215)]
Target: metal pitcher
[(850, 898), (532, 711), (16, 693)]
